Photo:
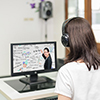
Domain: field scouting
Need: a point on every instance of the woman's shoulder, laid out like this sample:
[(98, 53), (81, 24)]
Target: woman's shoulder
[(67, 66), (73, 66)]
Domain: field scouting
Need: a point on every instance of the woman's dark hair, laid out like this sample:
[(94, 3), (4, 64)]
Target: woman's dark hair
[(82, 43), (46, 49)]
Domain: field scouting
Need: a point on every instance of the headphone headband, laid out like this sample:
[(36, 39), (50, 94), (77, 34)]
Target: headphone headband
[(65, 36)]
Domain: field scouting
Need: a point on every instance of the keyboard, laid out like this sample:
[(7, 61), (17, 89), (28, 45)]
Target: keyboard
[(49, 98)]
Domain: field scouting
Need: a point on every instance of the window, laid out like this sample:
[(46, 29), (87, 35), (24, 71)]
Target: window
[(96, 18), (75, 8)]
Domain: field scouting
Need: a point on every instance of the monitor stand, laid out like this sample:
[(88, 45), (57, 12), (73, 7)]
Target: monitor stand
[(34, 79)]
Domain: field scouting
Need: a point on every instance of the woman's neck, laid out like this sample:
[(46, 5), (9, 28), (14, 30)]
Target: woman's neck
[(80, 61)]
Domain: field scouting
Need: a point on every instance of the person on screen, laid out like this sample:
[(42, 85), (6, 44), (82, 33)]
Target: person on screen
[(79, 78), (48, 61)]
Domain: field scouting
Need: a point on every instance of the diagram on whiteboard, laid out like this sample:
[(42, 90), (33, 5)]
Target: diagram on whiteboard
[(29, 57)]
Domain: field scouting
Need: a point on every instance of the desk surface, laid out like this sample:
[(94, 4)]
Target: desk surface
[(11, 94)]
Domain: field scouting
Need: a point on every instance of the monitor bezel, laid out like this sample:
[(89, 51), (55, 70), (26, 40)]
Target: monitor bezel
[(35, 71)]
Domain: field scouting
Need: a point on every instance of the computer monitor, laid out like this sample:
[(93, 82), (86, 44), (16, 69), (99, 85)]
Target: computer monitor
[(33, 58)]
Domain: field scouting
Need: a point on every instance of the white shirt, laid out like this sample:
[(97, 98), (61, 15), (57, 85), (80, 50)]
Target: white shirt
[(75, 81)]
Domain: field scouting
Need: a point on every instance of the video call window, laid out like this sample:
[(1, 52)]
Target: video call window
[(33, 57)]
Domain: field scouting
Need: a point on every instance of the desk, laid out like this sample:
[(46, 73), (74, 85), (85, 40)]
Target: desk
[(11, 94)]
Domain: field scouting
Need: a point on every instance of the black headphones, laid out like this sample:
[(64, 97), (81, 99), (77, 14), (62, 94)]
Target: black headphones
[(65, 36)]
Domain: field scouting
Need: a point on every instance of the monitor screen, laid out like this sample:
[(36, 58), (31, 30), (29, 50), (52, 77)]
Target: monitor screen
[(37, 57)]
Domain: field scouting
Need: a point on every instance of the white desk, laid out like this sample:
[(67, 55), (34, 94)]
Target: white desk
[(11, 94)]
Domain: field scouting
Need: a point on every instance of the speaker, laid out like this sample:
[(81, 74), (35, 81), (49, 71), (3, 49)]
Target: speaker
[(45, 10), (65, 35)]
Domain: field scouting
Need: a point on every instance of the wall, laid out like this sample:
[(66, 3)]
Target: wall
[(20, 23), (59, 17)]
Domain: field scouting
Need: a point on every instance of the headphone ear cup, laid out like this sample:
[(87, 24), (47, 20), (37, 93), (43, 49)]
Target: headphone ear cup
[(65, 40)]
